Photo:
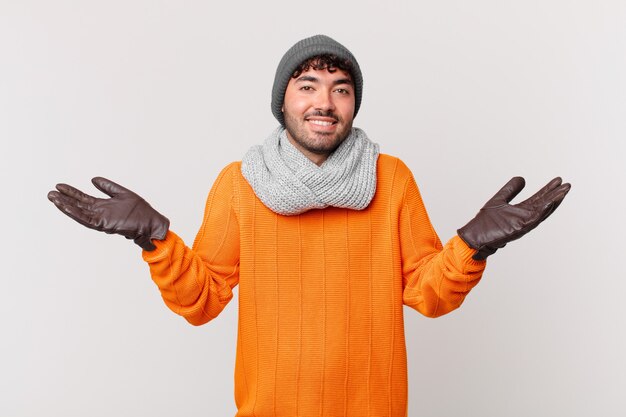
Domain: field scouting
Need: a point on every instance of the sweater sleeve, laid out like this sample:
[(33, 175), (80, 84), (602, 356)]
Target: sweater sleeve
[(436, 278), (197, 282)]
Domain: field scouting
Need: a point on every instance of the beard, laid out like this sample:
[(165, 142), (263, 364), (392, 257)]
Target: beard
[(319, 143)]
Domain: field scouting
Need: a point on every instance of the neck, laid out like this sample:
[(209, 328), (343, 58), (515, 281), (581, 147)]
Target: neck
[(317, 158)]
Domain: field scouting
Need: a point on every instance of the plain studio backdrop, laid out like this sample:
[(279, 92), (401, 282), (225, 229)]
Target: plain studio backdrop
[(160, 95)]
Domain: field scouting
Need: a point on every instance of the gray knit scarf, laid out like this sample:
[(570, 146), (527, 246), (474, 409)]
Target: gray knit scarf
[(288, 183)]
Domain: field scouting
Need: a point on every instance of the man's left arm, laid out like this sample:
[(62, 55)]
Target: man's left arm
[(436, 278)]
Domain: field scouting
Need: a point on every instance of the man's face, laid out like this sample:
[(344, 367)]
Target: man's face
[(318, 111)]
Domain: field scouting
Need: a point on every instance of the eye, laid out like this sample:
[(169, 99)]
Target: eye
[(343, 91), (306, 88)]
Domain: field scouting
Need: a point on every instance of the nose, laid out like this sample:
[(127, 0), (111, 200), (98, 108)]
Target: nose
[(324, 100)]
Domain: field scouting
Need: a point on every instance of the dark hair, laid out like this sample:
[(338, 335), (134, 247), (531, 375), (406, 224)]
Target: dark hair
[(329, 62)]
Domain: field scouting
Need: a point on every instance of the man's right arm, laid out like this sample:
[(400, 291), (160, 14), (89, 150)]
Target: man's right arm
[(197, 282)]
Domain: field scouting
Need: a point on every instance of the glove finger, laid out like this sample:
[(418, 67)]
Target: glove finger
[(554, 200), (75, 194), (109, 187), (82, 216), (550, 197), (552, 185), (56, 196), (507, 193)]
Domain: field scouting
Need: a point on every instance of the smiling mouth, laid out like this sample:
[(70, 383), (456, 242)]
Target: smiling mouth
[(321, 122)]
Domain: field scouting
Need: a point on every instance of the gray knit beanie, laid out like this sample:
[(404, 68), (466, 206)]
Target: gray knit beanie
[(300, 52)]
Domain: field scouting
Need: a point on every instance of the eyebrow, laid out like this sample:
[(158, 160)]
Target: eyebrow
[(310, 78)]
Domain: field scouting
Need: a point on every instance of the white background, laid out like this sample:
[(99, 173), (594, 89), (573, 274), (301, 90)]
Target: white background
[(160, 95)]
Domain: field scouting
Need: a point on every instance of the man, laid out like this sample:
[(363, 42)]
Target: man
[(327, 240)]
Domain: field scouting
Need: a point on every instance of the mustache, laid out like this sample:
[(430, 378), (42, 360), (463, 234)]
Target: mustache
[(321, 113)]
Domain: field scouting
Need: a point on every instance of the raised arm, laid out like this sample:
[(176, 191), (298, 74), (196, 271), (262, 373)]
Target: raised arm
[(436, 278), (197, 282)]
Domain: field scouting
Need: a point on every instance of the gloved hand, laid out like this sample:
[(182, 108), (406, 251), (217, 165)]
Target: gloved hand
[(125, 213), (499, 222)]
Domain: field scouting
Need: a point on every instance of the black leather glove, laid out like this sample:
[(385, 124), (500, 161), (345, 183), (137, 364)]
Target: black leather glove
[(499, 222), (125, 213)]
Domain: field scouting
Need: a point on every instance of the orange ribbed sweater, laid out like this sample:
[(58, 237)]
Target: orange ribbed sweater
[(321, 328)]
